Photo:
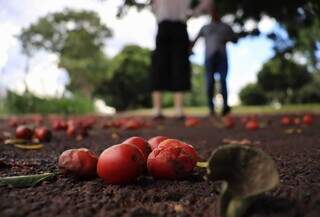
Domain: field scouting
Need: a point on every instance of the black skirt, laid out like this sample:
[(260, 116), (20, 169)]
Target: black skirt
[(170, 61)]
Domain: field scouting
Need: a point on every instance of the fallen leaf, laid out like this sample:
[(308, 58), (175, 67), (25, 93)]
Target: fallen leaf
[(15, 141), (178, 208), (25, 181), (29, 146)]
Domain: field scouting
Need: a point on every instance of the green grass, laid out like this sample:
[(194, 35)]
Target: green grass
[(202, 111)]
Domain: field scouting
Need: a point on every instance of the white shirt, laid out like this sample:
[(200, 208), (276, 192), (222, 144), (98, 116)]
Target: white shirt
[(179, 10)]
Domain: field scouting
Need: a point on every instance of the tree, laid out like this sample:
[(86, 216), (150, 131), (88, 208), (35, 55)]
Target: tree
[(128, 83), (253, 94), (78, 38), (282, 77)]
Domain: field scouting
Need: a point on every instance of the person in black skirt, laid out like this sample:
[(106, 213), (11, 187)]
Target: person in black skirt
[(170, 61)]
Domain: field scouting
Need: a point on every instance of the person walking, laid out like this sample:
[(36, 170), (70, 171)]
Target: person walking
[(170, 61), (216, 35)]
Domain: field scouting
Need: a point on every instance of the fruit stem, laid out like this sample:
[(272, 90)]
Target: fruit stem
[(202, 164)]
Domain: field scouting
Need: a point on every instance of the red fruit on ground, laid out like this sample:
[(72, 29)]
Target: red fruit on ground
[(71, 130), (229, 122), (43, 134), (140, 143), (132, 125), (307, 119), (171, 162), (24, 132), (192, 122), (180, 144), (13, 122), (59, 125), (121, 164), (286, 121), (252, 125), (297, 121), (155, 141), (79, 162)]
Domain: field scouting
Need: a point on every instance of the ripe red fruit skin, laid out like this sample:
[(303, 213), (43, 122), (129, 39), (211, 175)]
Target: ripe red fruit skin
[(43, 134), (308, 120), (78, 162), (229, 122), (121, 164), (180, 144), (286, 121), (170, 162), (23, 132), (141, 144), (252, 125), (191, 122), (155, 141)]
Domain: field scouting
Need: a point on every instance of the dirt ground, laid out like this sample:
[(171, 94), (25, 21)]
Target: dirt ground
[(297, 156)]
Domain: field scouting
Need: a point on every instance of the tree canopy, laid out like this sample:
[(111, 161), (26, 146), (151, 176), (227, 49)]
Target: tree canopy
[(78, 37)]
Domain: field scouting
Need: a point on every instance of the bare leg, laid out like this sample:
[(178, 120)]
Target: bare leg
[(157, 103), (178, 104)]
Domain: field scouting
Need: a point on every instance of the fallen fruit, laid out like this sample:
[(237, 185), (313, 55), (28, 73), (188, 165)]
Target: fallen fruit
[(180, 144), (121, 164), (170, 163), (286, 121), (229, 122), (155, 141), (43, 134), (79, 162), (252, 125), (140, 143), (24, 132), (191, 122), (307, 120), (297, 121)]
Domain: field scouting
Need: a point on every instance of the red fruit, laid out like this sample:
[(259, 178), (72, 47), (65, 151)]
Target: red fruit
[(59, 125), (71, 131), (155, 141), (43, 134), (307, 119), (182, 145), (13, 122), (170, 162), (140, 143), (191, 122), (285, 121), (252, 125), (229, 122), (132, 124), (24, 132), (79, 162), (121, 164), (297, 121)]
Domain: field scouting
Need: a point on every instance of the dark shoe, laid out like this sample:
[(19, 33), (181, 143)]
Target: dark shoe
[(159, 117), (226, 110), (180, 118)]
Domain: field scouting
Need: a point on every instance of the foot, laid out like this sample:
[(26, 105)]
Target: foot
[(180, 117), (226, 110), (158, 117)]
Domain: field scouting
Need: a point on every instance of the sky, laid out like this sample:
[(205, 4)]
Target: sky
[(46, 79)]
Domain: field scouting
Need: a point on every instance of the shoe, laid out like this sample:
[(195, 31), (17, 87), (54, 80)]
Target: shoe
[(226, 110), (159, 117), (180, 118)]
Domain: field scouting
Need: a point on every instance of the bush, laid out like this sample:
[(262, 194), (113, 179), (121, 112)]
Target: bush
[(28, 103), (252, 94), (310, 93)]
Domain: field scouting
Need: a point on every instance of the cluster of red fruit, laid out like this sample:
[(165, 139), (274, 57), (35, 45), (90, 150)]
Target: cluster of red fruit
[(164, 158), (127, 124), (289, 121), (42, 134)]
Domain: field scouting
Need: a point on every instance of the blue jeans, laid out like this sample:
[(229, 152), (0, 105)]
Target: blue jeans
[(217, 63)]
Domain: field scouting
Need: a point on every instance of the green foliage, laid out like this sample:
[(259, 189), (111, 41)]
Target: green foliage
[(78, 37), (128, 83), (252, 94), (281, 78), (29, 103), (309, 93)]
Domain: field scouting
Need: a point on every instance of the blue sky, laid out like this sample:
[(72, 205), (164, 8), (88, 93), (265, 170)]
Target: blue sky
[(45, 78)]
